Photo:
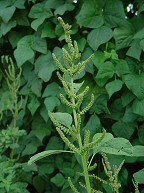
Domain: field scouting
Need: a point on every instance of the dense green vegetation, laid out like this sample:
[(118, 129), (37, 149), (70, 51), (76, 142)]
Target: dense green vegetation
[(29, 33)]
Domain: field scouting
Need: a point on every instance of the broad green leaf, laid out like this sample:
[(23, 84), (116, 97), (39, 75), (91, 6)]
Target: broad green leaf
[(142, 44), (129, 115), (38, 183), (139, 176), (33, 104), (58, 180), (36, 86), (108, 137), (19, 4), (40, 128), (44, 67), (137, 107), (23, 54), (54, 4), (51, 103), (90, 15), (114, 13), (141, 134), (99, 36), (52, 89), (123, 36), (6, 27), (122, 68), (122, 129), (98, 59), (89, 67), (63, 8), (40, 10), (118, 146), (139, 35), (39, 44), (48, 30), (135, 83), (105, 72), (36, 23), (138, 151), (31, 147), (81, 44), (93, 124), (7, 13), (44, 154), (135, 49), (100, 104), (116, 110), (113, 87), (55, 143), (63, 118), (127, 97)]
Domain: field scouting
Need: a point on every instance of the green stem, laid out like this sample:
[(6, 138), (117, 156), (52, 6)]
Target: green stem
[(85, 170), (83, 156)]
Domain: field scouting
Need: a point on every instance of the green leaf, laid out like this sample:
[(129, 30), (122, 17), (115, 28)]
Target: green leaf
[(34, 42), (38, 183), (40, 128), (31, 147), (129, 115), (127, 97), (81, 44), (137, 107), (113, 87), (122, 68), (48, 30), (55, 143), (98, 59), (7, 13), (44, 67), (40, 10), (63, 8), (105, 72), (6, 27), (58, 180), (99, 36), (118, 146), (19, 4), (90, 15), (36, 23), (139, 35), (122, 129), (51, 103), (93, 124), (63, 118), (141, 134), (138, 151), (33, 105), (44, 154), (135, 83), (135, 49), (22, 54), (36, 86), (114, 13), (107, 138), (52, 89), (123, 36), (139, 176)]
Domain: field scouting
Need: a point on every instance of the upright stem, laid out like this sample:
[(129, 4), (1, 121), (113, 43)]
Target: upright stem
[(83, 156)]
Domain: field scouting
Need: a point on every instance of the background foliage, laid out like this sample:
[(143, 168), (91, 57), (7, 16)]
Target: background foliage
[(29, 33)]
